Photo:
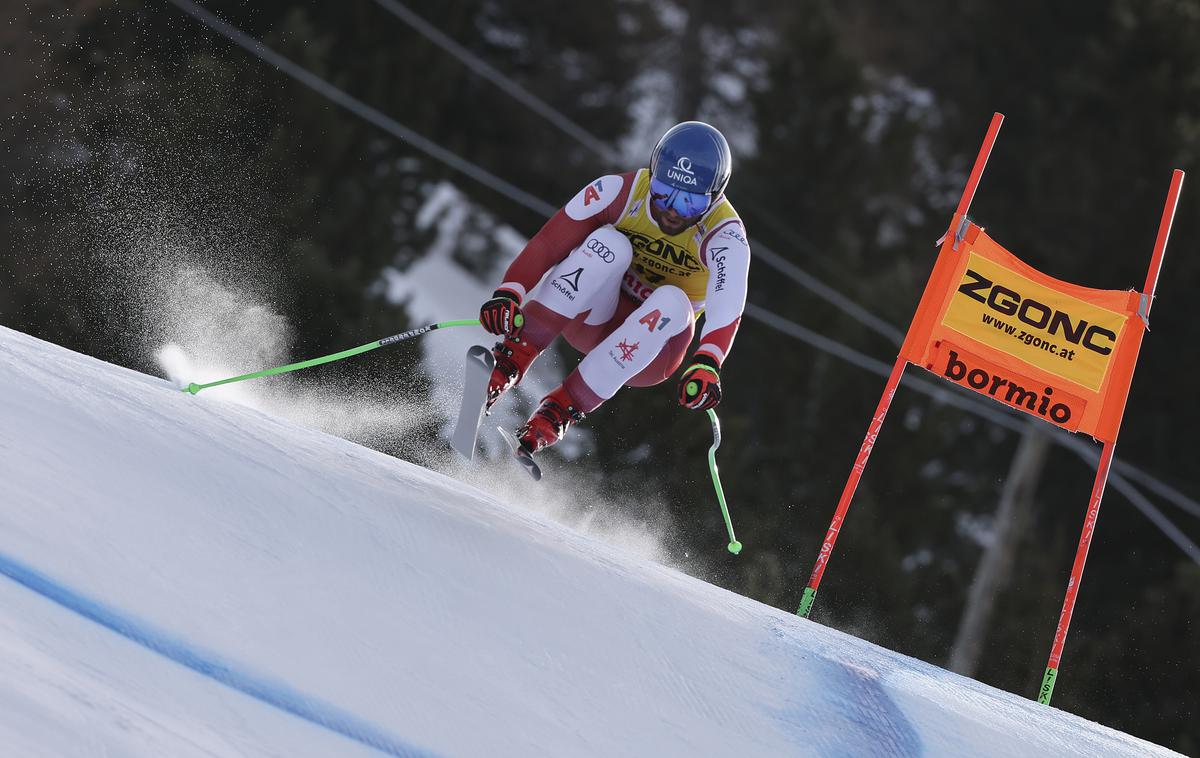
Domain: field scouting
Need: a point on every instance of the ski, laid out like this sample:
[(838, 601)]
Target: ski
[(476, 374), (523, 456)]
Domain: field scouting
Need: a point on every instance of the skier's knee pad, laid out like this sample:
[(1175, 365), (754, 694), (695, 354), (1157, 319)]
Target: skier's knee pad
[(673, 303), (610, 247)]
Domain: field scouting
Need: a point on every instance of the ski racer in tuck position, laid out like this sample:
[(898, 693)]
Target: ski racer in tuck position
[(633, 260)]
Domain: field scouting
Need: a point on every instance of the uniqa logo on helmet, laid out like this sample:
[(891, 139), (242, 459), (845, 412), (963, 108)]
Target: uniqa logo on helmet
[(682, 171), (693, 156)]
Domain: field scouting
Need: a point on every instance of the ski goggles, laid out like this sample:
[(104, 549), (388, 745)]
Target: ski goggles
[(687, 204)]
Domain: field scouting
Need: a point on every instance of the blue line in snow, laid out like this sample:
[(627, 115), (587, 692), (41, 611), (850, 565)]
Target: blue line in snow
[(272, 692)]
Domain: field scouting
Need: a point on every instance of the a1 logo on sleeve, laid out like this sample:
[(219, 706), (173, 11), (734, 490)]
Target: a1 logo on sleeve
[(595, 197)]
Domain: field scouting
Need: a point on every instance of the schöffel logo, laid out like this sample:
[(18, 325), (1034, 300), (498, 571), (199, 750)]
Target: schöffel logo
[(1009, 302), (568, 284), (717, 256), (573, 278), (682, 171)]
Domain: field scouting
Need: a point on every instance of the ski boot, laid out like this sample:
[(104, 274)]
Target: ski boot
[(513, 357), (549, 422)]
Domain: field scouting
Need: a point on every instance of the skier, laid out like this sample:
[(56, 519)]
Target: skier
[(633, 259)]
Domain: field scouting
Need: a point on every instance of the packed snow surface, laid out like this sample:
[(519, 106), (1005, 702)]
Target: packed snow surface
[(185, 576)]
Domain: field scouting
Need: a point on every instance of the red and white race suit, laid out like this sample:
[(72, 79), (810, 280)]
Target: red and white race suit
[(625, 293)]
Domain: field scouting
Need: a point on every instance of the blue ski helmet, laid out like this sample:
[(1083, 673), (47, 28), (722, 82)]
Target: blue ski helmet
[(693, 157)]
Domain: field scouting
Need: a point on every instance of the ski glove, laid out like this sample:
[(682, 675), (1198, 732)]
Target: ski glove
[(700, 385), (502, 314)]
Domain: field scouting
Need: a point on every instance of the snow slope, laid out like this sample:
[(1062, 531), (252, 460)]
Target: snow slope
[(180, 576)]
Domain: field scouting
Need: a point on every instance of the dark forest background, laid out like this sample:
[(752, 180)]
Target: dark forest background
[(853, 125)]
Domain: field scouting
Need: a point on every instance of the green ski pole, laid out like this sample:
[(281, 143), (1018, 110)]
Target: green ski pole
[(194, 387), (735, 547)]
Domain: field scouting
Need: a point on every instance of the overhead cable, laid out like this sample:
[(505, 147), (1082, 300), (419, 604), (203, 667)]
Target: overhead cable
[(362, 110), (762, 253), (541, 207)]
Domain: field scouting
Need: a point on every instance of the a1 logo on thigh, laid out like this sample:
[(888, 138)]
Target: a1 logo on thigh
[(655, 320)]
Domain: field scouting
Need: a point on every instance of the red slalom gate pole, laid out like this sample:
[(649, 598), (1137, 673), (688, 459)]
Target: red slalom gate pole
[(889, 391), (964, 203), (1106, 456), (860, 465)]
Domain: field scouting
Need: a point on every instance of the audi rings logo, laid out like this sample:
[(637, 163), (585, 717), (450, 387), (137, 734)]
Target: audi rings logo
[(684, 164), (602, 250)]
